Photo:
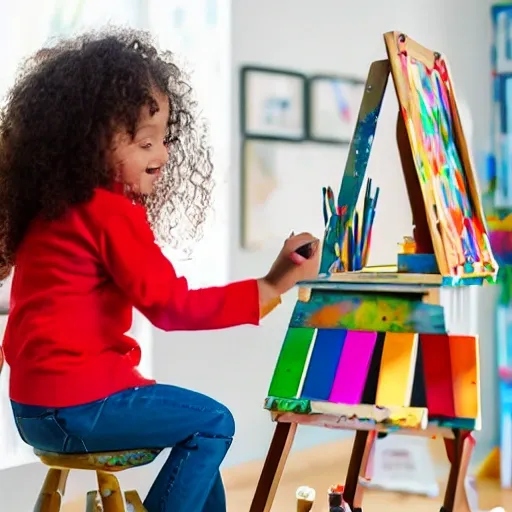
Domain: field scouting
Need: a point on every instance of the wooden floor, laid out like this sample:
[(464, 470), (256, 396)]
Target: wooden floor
[(324, 466)]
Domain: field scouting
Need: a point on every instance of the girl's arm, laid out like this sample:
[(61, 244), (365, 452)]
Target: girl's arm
[(140, 269)]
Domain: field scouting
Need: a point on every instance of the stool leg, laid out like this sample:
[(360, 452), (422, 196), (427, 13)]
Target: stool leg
[(93, 503), (54, 486), (133, 498), (111, 496)]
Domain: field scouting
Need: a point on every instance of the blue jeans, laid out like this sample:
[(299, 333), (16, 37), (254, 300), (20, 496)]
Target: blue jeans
[(198, 429)]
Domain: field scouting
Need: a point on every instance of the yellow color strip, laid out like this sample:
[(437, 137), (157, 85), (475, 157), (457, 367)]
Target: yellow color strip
[(397, 369)]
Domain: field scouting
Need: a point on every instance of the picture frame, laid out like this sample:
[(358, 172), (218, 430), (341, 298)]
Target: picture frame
[(274, 197), (333, 103), (258, 180), (273, 104)]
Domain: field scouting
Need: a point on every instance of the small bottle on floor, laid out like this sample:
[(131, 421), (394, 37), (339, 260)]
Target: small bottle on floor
[(336, 503), (305, 498)]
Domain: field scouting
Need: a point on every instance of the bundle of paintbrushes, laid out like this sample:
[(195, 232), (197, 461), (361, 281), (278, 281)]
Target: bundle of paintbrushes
[(348, 248)]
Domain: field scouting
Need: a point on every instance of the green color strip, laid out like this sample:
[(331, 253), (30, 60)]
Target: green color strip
[(290, 365)]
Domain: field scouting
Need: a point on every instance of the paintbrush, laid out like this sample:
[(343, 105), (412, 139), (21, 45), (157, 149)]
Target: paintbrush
[(350, 251), (306, 250), (368, 225), (330, 201), (357, 247), (366, 206), (324, 206), (305, 498)]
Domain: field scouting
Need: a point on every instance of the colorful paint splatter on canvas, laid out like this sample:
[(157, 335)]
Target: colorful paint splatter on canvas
[(430, 124)]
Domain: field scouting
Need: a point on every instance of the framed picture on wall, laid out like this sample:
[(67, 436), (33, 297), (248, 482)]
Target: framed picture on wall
[(276, 187), (273, 104), (260, 184), (333, 107)]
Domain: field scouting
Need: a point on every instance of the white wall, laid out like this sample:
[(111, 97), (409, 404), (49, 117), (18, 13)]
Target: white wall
[(325, 36)]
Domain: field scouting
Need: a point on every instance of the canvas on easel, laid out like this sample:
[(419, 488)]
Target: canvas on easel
[(374, 321), (445, 172)]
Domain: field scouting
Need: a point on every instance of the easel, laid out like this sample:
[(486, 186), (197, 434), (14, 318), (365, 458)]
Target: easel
[(289, 413), (459, 446)]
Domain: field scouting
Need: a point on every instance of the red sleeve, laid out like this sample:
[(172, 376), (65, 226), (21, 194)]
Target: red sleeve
[(140, 269)]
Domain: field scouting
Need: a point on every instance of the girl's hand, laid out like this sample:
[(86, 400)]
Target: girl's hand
[(290, 268)]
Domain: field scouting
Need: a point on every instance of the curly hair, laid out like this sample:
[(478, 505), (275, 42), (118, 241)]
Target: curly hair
[(58, 122)]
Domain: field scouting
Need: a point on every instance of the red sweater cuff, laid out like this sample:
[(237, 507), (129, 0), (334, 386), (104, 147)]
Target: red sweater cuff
[(248, 303)]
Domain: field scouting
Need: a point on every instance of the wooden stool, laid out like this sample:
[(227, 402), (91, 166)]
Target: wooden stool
[(108, 497)]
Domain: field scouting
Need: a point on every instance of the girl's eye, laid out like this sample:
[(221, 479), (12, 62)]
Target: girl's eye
[(147, 145)]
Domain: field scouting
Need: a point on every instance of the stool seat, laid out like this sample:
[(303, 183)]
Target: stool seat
[(109, 462)]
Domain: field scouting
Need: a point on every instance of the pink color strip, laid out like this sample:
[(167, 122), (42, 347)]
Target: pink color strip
[(353, 367)]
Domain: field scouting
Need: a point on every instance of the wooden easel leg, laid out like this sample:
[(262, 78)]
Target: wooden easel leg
[(112, 498), (133, 499), (359, 458), (364, 132), (273, 467), (419, 217), (54, 486), (459, 451)]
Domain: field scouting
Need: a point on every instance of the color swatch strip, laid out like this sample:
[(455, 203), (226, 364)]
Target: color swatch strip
[(437, 372)]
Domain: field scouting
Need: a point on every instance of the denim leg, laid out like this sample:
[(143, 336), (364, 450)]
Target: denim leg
[(186, 477), (199, 429), (217, 497)]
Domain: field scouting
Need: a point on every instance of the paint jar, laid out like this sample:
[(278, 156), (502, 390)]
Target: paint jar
[(336, 503), (305, 498), (408, 246)]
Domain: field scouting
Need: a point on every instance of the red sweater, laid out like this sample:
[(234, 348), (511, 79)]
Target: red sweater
[(75, 283)]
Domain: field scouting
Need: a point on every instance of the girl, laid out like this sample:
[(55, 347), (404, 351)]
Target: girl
[(99, 152)]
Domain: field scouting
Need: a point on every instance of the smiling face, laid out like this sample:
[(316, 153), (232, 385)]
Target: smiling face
[(138, 160)]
